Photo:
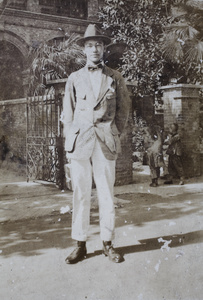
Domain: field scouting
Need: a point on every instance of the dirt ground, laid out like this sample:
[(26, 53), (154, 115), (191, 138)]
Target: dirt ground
[(159, 232)]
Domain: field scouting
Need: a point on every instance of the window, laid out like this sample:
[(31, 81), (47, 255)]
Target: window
[(68, 8), (17, 4)]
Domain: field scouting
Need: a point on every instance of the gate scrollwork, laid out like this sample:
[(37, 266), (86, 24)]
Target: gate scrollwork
[(45, 155)]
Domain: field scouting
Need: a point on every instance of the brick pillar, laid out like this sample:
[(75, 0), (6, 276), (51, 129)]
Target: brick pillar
[(124, 164), (181, 105), (124, 171)]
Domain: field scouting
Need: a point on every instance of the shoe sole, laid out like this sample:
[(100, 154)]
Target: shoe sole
[(116, 260), (75, 261), (68, 262)]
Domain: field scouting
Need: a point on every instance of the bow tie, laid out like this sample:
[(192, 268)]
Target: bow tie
[(96, 67)]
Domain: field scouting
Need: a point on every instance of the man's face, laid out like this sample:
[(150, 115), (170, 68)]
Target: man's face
[(94, 50)]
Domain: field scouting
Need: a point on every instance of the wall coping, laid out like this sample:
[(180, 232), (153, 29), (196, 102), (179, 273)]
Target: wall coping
[(186, 97), (181, 85), (56, 81), (13, 101), (63, 80), (44, 17)]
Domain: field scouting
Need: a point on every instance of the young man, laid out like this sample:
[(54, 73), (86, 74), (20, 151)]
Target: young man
[(95, 109)]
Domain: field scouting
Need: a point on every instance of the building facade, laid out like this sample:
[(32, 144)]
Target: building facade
[(26, 23), (33, 141)]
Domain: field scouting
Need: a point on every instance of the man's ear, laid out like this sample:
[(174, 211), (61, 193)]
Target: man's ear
[(83, 50)]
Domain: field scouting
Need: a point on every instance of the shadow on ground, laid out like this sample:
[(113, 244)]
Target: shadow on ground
[(150, 207), (33, 236), (153, 243)]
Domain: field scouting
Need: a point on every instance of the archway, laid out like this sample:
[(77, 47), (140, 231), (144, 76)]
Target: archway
[(11, 76)]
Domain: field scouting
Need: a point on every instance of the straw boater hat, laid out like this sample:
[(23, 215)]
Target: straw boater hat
[(93, 32)]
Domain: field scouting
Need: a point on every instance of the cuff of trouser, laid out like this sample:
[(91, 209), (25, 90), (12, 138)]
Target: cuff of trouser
[(105, 237), (80, 238)]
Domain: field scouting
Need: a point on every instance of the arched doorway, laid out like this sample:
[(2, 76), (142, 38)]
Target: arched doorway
[(11, 78)]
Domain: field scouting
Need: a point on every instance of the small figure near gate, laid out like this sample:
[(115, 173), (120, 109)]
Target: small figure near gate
[(153, 145), (175, 166)]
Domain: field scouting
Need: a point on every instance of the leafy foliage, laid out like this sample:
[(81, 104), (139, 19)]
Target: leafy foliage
[(182, 44), (160, 45), (137, 134), (53, 60), (139, 24)]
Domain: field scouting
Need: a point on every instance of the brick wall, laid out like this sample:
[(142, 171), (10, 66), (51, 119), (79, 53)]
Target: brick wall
[(13, 127)]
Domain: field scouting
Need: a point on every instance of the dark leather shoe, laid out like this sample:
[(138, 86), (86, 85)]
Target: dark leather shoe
[(78, 254), (168, 182), (164, 177), (109, 251), (153, 184)]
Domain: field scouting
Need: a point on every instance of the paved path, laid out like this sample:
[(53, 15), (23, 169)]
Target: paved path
[(159, 231)]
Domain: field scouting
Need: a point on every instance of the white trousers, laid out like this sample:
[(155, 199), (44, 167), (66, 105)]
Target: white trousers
[(103, 171)]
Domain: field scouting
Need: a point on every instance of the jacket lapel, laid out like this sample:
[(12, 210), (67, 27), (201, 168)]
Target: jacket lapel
[(86, 83), (105, 84), (107, 80)]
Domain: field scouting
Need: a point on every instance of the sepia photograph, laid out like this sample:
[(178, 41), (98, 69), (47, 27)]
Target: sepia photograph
[(101, 149)]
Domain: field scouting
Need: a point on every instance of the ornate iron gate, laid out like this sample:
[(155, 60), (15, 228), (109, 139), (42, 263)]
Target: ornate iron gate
[(45, 155)]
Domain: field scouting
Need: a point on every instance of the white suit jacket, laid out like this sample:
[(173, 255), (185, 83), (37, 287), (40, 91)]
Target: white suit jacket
[(86, 118)]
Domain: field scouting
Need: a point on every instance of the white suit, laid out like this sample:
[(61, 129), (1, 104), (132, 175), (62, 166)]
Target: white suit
[(92, 126)]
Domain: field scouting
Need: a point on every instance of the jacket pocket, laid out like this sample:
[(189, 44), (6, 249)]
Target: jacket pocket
[(111, 93), (110, 96), (81, 95), (71, 139), (81, 102), (113, 141), (114, 130)]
